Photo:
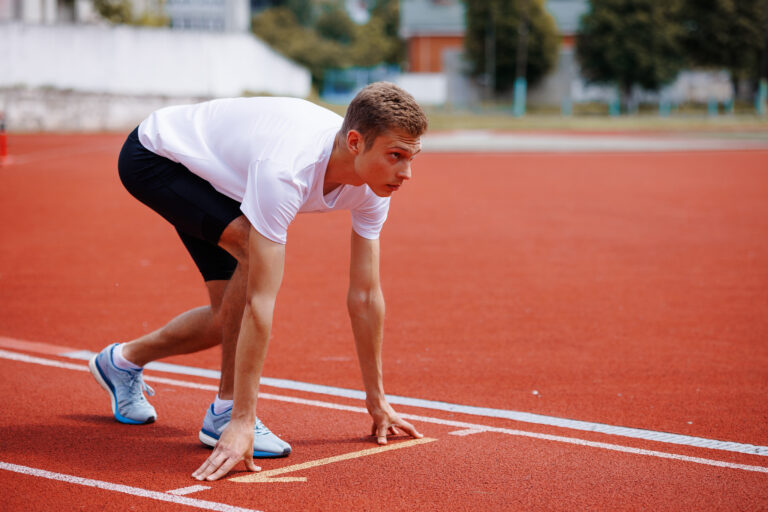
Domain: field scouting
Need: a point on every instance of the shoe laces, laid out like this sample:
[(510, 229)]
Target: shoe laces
[(259, 429), (137, 386)]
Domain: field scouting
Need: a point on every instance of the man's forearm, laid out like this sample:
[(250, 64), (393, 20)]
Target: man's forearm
[(249, 361), (265, 273), (366, 311)]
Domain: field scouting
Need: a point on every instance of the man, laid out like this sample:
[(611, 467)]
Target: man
[(231, 175)]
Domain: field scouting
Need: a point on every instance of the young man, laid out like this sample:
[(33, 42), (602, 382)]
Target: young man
[(231, 175)]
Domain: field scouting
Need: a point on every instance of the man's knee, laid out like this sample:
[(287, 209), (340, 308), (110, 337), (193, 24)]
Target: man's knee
[(228, 298), (234, 239)]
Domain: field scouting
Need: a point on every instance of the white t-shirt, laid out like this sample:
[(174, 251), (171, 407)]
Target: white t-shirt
[(268, 153)]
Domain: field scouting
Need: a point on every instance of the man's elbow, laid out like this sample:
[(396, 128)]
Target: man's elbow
[(259, 311), (362, 302)]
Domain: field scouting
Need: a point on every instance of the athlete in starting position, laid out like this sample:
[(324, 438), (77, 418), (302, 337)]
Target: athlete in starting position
[(231, 175)]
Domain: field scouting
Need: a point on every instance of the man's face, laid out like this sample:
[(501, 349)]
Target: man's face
[(387, 164)]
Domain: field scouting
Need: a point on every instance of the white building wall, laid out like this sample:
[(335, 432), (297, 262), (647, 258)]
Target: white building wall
[(131, 60), (426, 88), (36, 11), (84, 12)]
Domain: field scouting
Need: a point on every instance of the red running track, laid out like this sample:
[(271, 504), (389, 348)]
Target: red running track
[(622, 289)]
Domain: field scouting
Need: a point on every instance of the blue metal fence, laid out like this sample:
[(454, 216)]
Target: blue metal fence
[(341, 85)]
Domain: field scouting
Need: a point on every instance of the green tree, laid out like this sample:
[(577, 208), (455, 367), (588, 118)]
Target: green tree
[(335, 24), (726, 34), (280, 28), (631, 42), (334, 41), (114, 11), (302, 9), (121, 12), (386, 13), (372, 46), (493, 35)]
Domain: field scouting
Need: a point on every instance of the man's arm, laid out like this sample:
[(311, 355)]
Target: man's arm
[(365, 303), (266, 260)]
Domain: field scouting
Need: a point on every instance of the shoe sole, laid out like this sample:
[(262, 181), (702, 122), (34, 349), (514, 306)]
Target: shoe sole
[(208, 440), (102, 380)]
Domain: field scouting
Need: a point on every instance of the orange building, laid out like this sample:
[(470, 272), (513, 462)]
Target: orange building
[(425, 52), (430, 27)]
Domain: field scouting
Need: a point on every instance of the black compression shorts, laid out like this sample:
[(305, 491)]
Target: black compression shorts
[(197, 211)]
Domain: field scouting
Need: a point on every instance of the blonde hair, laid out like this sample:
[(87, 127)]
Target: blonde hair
[(383, 106)]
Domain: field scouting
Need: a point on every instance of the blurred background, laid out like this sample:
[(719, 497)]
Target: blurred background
[(103, 65)]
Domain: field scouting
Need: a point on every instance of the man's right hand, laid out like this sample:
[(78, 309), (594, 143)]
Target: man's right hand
[(235, 444), (387, 421)]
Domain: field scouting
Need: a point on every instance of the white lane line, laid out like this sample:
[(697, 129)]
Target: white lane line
[(15, 356), (188, 490), (476, 428), (466, 432), (125, 489), (489, 141), (584, 442), (524, 417), (425, 419)]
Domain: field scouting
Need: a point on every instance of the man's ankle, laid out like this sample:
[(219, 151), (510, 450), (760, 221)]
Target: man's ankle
[(221, 405), (119, 359)]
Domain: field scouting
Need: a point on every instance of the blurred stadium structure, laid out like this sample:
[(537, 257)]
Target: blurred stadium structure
[(434, 32), (67, 68)]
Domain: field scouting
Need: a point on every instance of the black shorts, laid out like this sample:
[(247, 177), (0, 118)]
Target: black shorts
[(197, 211)]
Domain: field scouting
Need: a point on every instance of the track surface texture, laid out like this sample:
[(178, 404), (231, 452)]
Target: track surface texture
[(559, 314)]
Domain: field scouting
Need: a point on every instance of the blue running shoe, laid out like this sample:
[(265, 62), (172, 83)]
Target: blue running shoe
[(125, 387), (266, 445)]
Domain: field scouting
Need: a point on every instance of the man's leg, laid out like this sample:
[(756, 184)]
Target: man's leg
[(202, 217), (215, 233), (234, 240), (191, 331), (207, 326), (265, 444)]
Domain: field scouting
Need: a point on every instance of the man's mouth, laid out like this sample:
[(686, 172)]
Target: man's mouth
[(393, 187)]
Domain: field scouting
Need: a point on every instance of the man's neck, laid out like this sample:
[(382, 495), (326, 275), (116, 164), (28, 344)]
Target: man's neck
[(341, 167)]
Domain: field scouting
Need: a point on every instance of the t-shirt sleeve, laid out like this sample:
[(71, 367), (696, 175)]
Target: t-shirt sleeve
[(369, 217), (271, 200)]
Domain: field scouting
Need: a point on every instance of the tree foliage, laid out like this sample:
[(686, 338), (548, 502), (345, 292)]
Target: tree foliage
[(280, 28), (726, 34), (492, 35), (302, 9), (631, 42), (335, 24), (121, 12), (386, 13), (114, 11), (332, 40)]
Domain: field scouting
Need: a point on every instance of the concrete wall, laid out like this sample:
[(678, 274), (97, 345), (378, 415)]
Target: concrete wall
[(155, 61), (45, 110), (556, 85)]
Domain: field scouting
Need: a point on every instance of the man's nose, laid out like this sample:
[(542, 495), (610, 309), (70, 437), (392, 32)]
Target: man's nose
[(405, 172)]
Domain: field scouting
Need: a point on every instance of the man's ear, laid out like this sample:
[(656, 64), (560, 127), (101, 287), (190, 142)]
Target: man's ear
[(355, 142)]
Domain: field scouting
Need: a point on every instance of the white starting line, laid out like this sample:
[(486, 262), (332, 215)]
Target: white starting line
[(520, 416), (188, 490), (465, 428)]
